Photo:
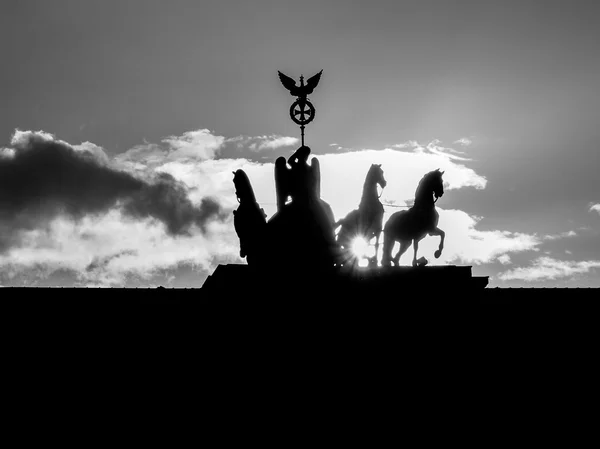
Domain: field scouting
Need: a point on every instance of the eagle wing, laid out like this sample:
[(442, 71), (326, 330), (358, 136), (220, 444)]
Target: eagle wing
[(312, 82), (287, 82)]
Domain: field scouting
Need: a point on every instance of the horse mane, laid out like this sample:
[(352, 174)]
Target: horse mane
[(368, 182), (423, 183)]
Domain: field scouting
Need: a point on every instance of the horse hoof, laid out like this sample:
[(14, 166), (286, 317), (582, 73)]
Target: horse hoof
[(422, 262), (438, 253)]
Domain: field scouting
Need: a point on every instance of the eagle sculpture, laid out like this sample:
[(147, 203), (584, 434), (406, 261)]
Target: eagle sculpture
[(303, 90)]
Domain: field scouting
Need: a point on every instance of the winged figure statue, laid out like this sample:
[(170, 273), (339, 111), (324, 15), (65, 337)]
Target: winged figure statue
[(303, 90)]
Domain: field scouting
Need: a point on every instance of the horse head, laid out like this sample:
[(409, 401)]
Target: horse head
[(437, 184), (376, 175), (430, 183)]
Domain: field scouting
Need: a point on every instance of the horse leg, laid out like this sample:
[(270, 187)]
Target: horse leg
[(442, 234), (373, 260), (416, 245), (386, 252), (377, 235), (404, 244)]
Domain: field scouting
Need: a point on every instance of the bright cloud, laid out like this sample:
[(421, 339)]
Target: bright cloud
[(259, 143), (547, 268), (200, 144), (110, 249), (277, 142), (196, 145), (504, 259), (595, 208)]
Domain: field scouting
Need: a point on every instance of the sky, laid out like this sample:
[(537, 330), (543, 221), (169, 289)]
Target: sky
[(121, 122)]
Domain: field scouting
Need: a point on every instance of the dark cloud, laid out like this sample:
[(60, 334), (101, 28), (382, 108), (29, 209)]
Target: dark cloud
[(42, 178), (167, 200)]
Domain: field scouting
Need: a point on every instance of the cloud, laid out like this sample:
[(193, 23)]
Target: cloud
[(44, 178), (464, 141), (547, 268), (504, 259), (433, 147), (595, 208), (113, 250), (259, 143), (93, 149), (407, 144), (274, 142), (562, 235), (196, 145)]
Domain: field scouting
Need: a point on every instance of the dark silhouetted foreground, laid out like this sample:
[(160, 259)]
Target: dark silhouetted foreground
[(369, 283)]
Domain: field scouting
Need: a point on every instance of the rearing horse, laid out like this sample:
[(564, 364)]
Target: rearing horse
[(367, 220), (414, 224)]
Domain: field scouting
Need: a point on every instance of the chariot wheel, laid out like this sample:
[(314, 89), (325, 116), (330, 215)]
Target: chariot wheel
[(302, 112)]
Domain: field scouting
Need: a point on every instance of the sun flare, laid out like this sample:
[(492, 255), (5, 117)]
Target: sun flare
[(360, 247)]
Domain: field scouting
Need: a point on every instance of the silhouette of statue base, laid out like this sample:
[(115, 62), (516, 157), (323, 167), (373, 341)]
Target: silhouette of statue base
[(240, 280)]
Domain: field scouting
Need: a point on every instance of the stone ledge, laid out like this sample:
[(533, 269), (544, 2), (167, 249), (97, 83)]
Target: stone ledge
[(247, 280)]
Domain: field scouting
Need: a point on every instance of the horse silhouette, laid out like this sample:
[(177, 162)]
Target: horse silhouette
[(366, 221), (414, 224)]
